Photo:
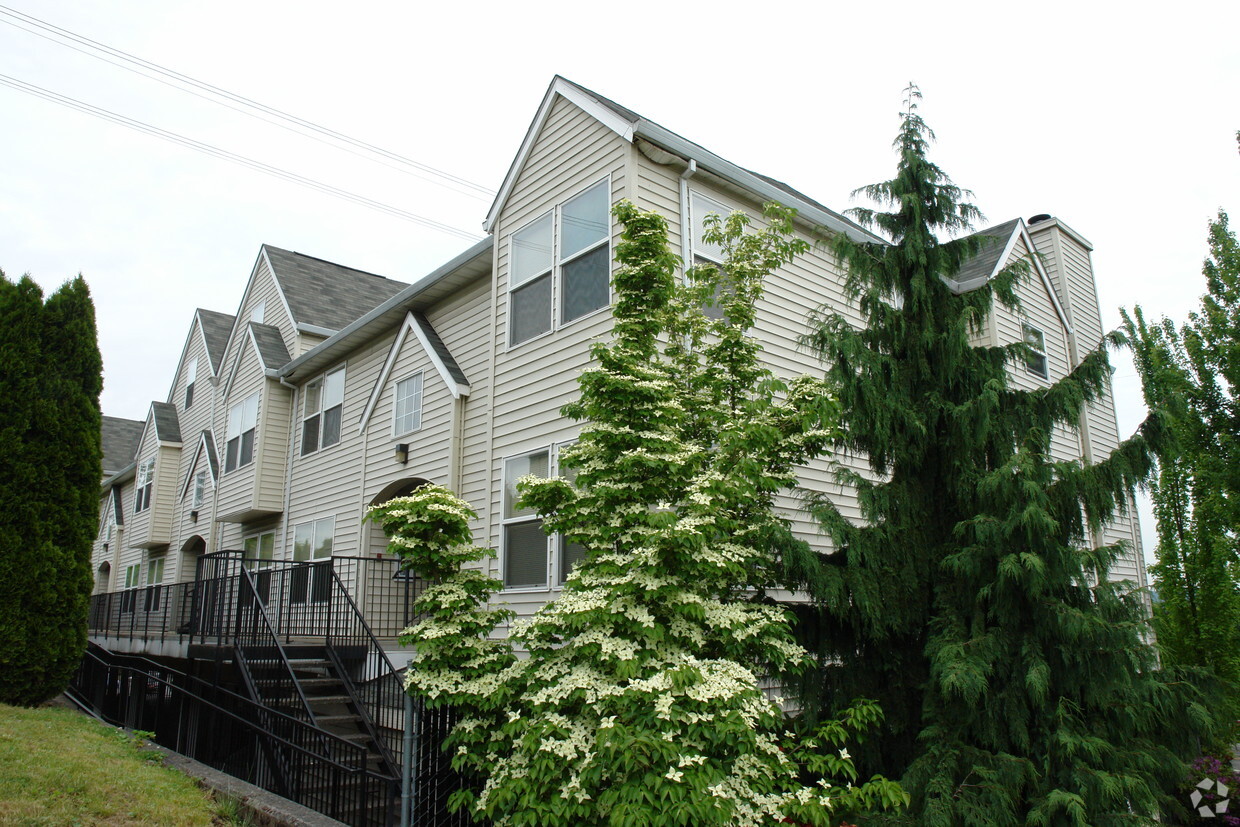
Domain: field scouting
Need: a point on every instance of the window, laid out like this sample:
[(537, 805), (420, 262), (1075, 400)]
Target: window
[(582, 257), (407, 415), (312, 543), (242, 420), (191, 375), (259, 312), (525, 545), (259, 550), (129, 597), (324, 407), (200, 490), (1035, 360), (146, 481), (154, 583), (705, 252), (527, 558)]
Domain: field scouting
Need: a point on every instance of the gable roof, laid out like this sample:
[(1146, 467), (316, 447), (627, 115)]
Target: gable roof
[(121, 438), (215, 330), (322, 294), (270, 346), (167, 426), (436, 351), (630, 126), (206, 445)]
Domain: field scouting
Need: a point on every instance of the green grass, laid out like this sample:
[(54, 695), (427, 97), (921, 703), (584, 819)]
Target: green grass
[(58, 767)]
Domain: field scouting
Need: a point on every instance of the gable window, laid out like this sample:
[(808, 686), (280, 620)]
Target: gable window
[(579, 252), (324, 406), (525, 545), (154, 583), (146, 481), (1035, 359), (312, 543), (242, 420), (259, 311), (191, 376), (407, 414), (200, 490)]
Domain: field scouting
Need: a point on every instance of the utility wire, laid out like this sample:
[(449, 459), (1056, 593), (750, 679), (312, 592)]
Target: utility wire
[(224, 154), (246, 106)]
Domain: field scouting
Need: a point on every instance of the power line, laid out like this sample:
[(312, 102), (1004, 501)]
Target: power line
[(245, 105), (224, 154)]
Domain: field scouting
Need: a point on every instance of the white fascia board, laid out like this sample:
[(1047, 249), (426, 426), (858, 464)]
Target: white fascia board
[(747, 180), (198, 457), (1045, 277), (409, 325), (572, 93), (388, 364), (457, 389), (315, 330)]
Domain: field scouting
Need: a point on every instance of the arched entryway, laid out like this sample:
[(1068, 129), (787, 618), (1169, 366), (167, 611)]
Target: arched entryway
[(191, 550), (103, 577), (376, 540)]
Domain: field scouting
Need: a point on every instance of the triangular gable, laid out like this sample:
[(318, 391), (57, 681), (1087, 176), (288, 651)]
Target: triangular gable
[(205, 450), (447, 368), (213, 330), (986, 265), (606, 115), (240, 322), (270, 352)]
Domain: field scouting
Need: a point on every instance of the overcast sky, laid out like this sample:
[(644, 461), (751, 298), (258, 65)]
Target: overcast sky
[(1120, 121)]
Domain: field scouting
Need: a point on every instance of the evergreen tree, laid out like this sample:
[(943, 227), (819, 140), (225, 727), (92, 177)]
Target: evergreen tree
[(640, 700), (1013, 675), (50, 466), (1193, 373)]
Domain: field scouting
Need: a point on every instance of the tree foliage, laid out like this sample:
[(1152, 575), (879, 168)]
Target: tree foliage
[(50, 380), (1192, 372), (640, 700), (967, 601)]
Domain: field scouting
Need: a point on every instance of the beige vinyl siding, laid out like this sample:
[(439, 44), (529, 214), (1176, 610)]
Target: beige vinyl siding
[(262, 288), (535, 378), (463, 323), (271, 448), (153, 525), (658, 189), (185, 527), (236, 490), (1038, 309), (199, 417), (428, 445), (329, 481)]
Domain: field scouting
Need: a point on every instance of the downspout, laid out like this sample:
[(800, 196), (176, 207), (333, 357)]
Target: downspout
[(686, 231), (288, 474)]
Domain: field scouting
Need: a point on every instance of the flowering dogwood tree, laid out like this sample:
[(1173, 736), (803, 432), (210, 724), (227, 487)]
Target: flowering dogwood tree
[(639, 699)]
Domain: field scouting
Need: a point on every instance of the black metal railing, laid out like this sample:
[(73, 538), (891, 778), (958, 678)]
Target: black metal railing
[(231, 733), (149, 613)]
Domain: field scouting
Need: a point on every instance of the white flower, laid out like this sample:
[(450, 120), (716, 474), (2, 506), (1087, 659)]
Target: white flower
[(844, 754), (674, 774), (608, 722)]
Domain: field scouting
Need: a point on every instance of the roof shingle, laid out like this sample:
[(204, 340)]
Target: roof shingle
[(324, 294)]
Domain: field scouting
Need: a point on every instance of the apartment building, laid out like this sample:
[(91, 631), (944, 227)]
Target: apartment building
[(328, 389)]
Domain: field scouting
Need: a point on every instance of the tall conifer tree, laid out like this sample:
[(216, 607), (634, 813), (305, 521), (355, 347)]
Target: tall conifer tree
[(50, 458), (1016, 692)]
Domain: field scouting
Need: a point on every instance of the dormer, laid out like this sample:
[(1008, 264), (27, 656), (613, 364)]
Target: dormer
[(156, 467)]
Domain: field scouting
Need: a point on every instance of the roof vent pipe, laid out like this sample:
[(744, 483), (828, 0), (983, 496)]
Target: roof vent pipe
[(1040, 217)]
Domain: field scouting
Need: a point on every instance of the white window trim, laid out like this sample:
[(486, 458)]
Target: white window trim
[(321, 412), (421, 377), (556, 269), (239, 407), (723, 210), (1025, 328), (191, 376), (554, 581), (144, 485)]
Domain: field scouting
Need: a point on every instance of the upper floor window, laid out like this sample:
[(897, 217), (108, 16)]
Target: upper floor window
[(1035, 360), (145, 482), (200, 490), (407, 414), (191, 375), (699, 207), (579, 252), (324, 406), (242, 422), (259, 311)]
